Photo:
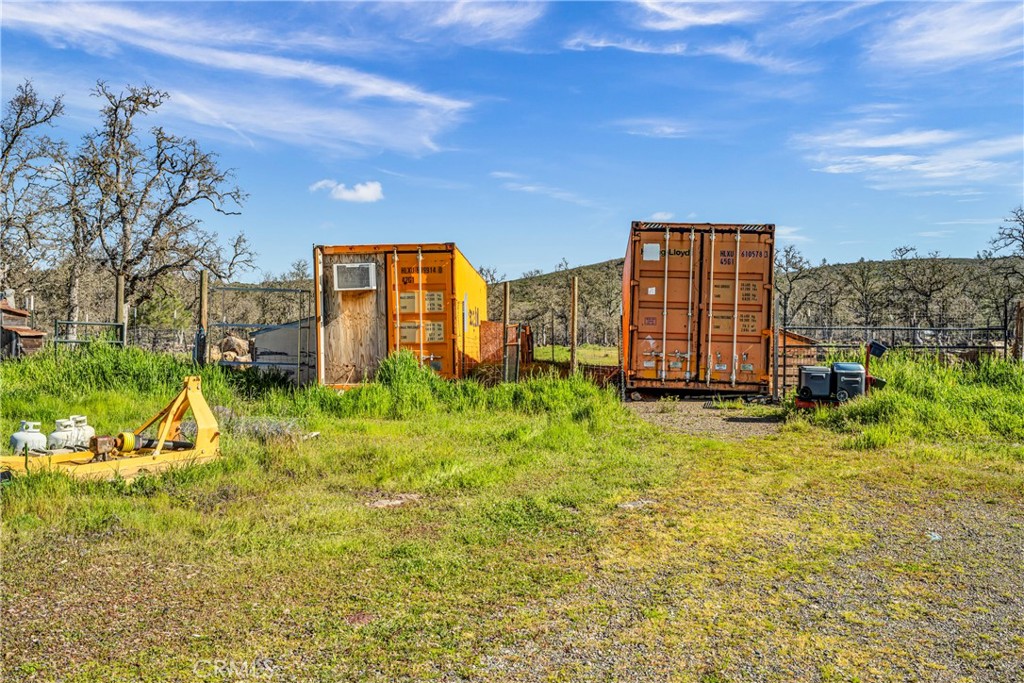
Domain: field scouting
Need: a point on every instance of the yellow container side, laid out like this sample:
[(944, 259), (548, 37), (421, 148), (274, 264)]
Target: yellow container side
[(471, 308)]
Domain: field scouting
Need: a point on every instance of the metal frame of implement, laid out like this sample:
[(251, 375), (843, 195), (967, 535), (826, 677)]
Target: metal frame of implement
[(130, 454)]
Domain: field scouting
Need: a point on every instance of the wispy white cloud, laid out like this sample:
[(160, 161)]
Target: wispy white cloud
[(362, 193), (978, 160), (466, 22), (657, 127), (737, 51), (857, 137), (425, 181), (972, 221), (284, 116), (103, 27), (489, 21), (814, 23), (151, 33), (672, 16), (339, 106), (944, 36), (742, 52), (933, 234), (662, 216), (889, 154), (551, 192), (790, 234), (515, 182), (582, 42)]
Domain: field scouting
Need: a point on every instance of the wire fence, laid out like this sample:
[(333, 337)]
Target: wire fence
[(812, 345)]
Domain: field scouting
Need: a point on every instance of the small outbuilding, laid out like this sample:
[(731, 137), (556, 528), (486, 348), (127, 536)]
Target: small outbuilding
[(17, 336)]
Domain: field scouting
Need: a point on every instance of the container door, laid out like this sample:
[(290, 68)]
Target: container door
[(736, 307), (664, 331), (419, 301), (353, 317)]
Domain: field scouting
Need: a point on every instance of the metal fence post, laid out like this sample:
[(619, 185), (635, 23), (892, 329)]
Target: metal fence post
[(573, 323), (505, 312), (202, 354)]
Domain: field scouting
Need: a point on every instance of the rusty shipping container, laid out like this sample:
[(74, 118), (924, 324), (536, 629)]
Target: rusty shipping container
[(371, 300), (697, 307)]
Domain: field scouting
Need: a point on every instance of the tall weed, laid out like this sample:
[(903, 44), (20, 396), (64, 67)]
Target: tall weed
[(928, 398)]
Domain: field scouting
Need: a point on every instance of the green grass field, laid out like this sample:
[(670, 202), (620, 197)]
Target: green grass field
[(591, 354), (547, 534)]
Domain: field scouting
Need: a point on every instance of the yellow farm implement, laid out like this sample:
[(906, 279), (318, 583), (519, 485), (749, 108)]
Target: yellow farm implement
[(131, 453)]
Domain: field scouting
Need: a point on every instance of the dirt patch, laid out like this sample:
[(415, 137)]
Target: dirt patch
[(896, 603), (692, 417)]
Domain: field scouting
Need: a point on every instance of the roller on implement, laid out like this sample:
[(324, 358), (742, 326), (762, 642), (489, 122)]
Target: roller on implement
[(129, 454)]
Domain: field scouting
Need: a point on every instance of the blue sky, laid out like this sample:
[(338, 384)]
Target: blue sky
[(529, 132)]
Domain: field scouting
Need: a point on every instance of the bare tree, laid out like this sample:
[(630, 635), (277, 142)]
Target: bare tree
[(827, 296), (1010, 236), (490, 275), (868, 292), (25, 182), (928, 283), (139, 197), (997, 287), (792, 273), (71, 235)]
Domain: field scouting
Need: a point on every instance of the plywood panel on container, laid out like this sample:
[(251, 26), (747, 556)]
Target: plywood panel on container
[(352, 323)]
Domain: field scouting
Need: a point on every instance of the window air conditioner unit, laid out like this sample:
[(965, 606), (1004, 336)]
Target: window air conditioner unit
[(350, 277)]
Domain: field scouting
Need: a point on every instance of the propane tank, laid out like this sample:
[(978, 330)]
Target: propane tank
[(63, 436), (30, 436), (83, 431)]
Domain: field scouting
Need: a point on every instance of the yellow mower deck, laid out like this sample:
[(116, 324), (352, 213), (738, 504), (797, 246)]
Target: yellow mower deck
[(88, 465)]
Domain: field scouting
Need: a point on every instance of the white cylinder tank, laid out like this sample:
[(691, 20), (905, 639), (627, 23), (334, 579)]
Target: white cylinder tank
[(30, 436), (63, 436), (83, 431)]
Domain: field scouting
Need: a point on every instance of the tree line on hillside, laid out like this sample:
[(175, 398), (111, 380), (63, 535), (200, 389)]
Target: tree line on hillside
[(543, 301), (909, 290), (912, 289)]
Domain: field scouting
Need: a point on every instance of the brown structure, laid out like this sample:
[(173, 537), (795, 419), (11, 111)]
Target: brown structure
[(795, 350), (490, 341), (372, 300), (17, 337), (697, 307)]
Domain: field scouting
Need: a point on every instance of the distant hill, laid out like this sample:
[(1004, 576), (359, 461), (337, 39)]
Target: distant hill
[(543, 302), (914, 291)]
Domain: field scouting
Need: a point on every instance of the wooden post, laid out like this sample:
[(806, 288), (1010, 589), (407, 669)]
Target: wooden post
[(119, 299), (505, 314), (1018, 341), (202, 353), (119, 312), (552, 335), (573, 322)]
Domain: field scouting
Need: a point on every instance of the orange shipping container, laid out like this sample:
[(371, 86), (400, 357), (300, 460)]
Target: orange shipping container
[(697, 307), (372, 300)]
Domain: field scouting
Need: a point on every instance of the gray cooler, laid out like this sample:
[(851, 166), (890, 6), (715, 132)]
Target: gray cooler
[(848, 380), (815, 382)]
